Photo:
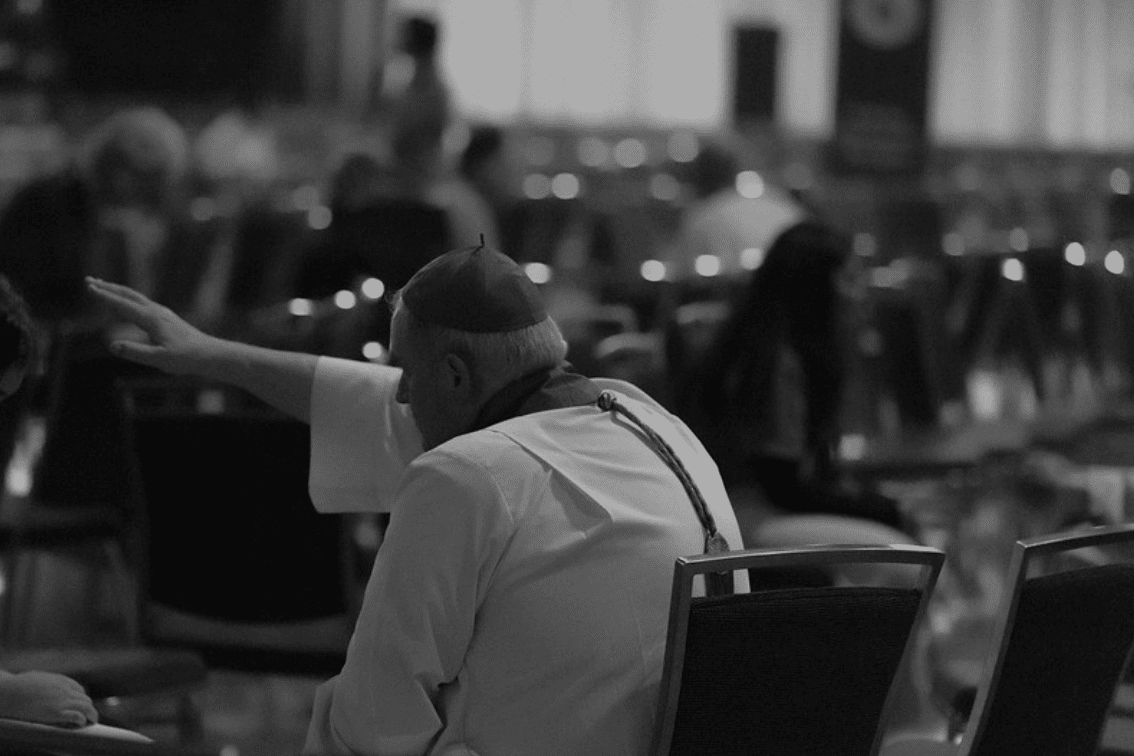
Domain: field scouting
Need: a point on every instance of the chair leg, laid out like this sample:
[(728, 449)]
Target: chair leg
[(9, 563), (123, 588), (190, 723), (21, 587)]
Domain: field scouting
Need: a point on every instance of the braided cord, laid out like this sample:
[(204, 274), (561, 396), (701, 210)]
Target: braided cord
[(715, 543)]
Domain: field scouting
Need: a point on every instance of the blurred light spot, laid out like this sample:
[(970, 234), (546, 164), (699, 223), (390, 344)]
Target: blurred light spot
[(889, 276), (373, 351), (367, 535), (870, 342), (707, 265), (1115, 262), (864, 245), (210, 402), (751, 258), (203, 209), (319, 217), (230, 750), (113, 700), (593, 152), (537, 186), (1018, 239), (664, 187), (18, 481), (749, 184), (345, 300), (1075, 253), (653, 270), (1012, 269), (683, 147), (300, 307), (305, 197), (799, 177), (373, 288), (852, 446), (538, 272), (29, 7), (953, 243), (630, 153), (565, 186), (540, 150), (1120, 181), (985, 390)]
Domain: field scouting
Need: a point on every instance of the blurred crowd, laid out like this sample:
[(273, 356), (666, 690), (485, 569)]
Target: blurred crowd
[(764, 313)]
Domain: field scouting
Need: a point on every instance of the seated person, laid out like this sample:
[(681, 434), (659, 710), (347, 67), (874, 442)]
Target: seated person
[(767, 395), (117, 212), (43, 697), (520, 600)]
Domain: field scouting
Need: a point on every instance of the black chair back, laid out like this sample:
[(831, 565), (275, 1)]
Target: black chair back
[(1061, 643), (231, 543), (805, 670)]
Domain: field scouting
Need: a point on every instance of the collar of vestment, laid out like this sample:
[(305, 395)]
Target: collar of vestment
[(555, 388)]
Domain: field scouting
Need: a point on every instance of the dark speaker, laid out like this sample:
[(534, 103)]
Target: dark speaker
[(754, 83), (1120, 216)]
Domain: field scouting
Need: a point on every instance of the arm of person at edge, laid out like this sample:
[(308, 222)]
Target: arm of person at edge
[(410, 641), (361, 438)]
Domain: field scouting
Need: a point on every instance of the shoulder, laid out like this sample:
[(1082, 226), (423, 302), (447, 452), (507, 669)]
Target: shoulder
[(484, 475), (479, 459)]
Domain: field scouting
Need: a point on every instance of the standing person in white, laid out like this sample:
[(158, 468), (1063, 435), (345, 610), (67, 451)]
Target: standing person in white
[(519, 602)]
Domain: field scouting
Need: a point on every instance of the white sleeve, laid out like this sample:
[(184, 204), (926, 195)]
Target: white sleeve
[(432, 572), (361, 439)]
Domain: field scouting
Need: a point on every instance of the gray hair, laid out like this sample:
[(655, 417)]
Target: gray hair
[(493, 357), (145, 143)]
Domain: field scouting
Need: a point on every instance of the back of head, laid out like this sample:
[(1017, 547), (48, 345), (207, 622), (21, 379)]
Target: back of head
[(796, 288), (138, 158), (485, 143), (714, 168), (420, 37), (480, 304), (803, 257)]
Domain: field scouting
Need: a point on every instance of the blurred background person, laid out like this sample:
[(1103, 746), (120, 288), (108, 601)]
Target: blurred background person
[(415, 98), (734, 216), (419, 122), (116, 212), (237, 166), (768, 393)]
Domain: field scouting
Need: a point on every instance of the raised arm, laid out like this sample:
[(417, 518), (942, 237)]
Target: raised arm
[(167, 342)]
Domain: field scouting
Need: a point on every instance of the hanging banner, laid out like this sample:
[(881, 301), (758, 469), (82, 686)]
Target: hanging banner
[(882, 90)]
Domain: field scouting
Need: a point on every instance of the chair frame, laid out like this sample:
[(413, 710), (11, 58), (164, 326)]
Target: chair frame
[(687, 568), (1024, 555)]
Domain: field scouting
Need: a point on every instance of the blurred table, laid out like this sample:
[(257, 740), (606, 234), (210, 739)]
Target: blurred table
[(973, 491)]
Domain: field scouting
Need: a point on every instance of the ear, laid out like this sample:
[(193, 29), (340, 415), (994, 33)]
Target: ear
[(458, 375)]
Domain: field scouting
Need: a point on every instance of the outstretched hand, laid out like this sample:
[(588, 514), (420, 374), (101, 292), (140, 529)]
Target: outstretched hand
[(165, 340)]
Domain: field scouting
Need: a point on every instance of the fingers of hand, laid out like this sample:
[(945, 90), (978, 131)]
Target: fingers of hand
[(123, 306), (77, 708), (146, 354), (125, 292), (87, 710)]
